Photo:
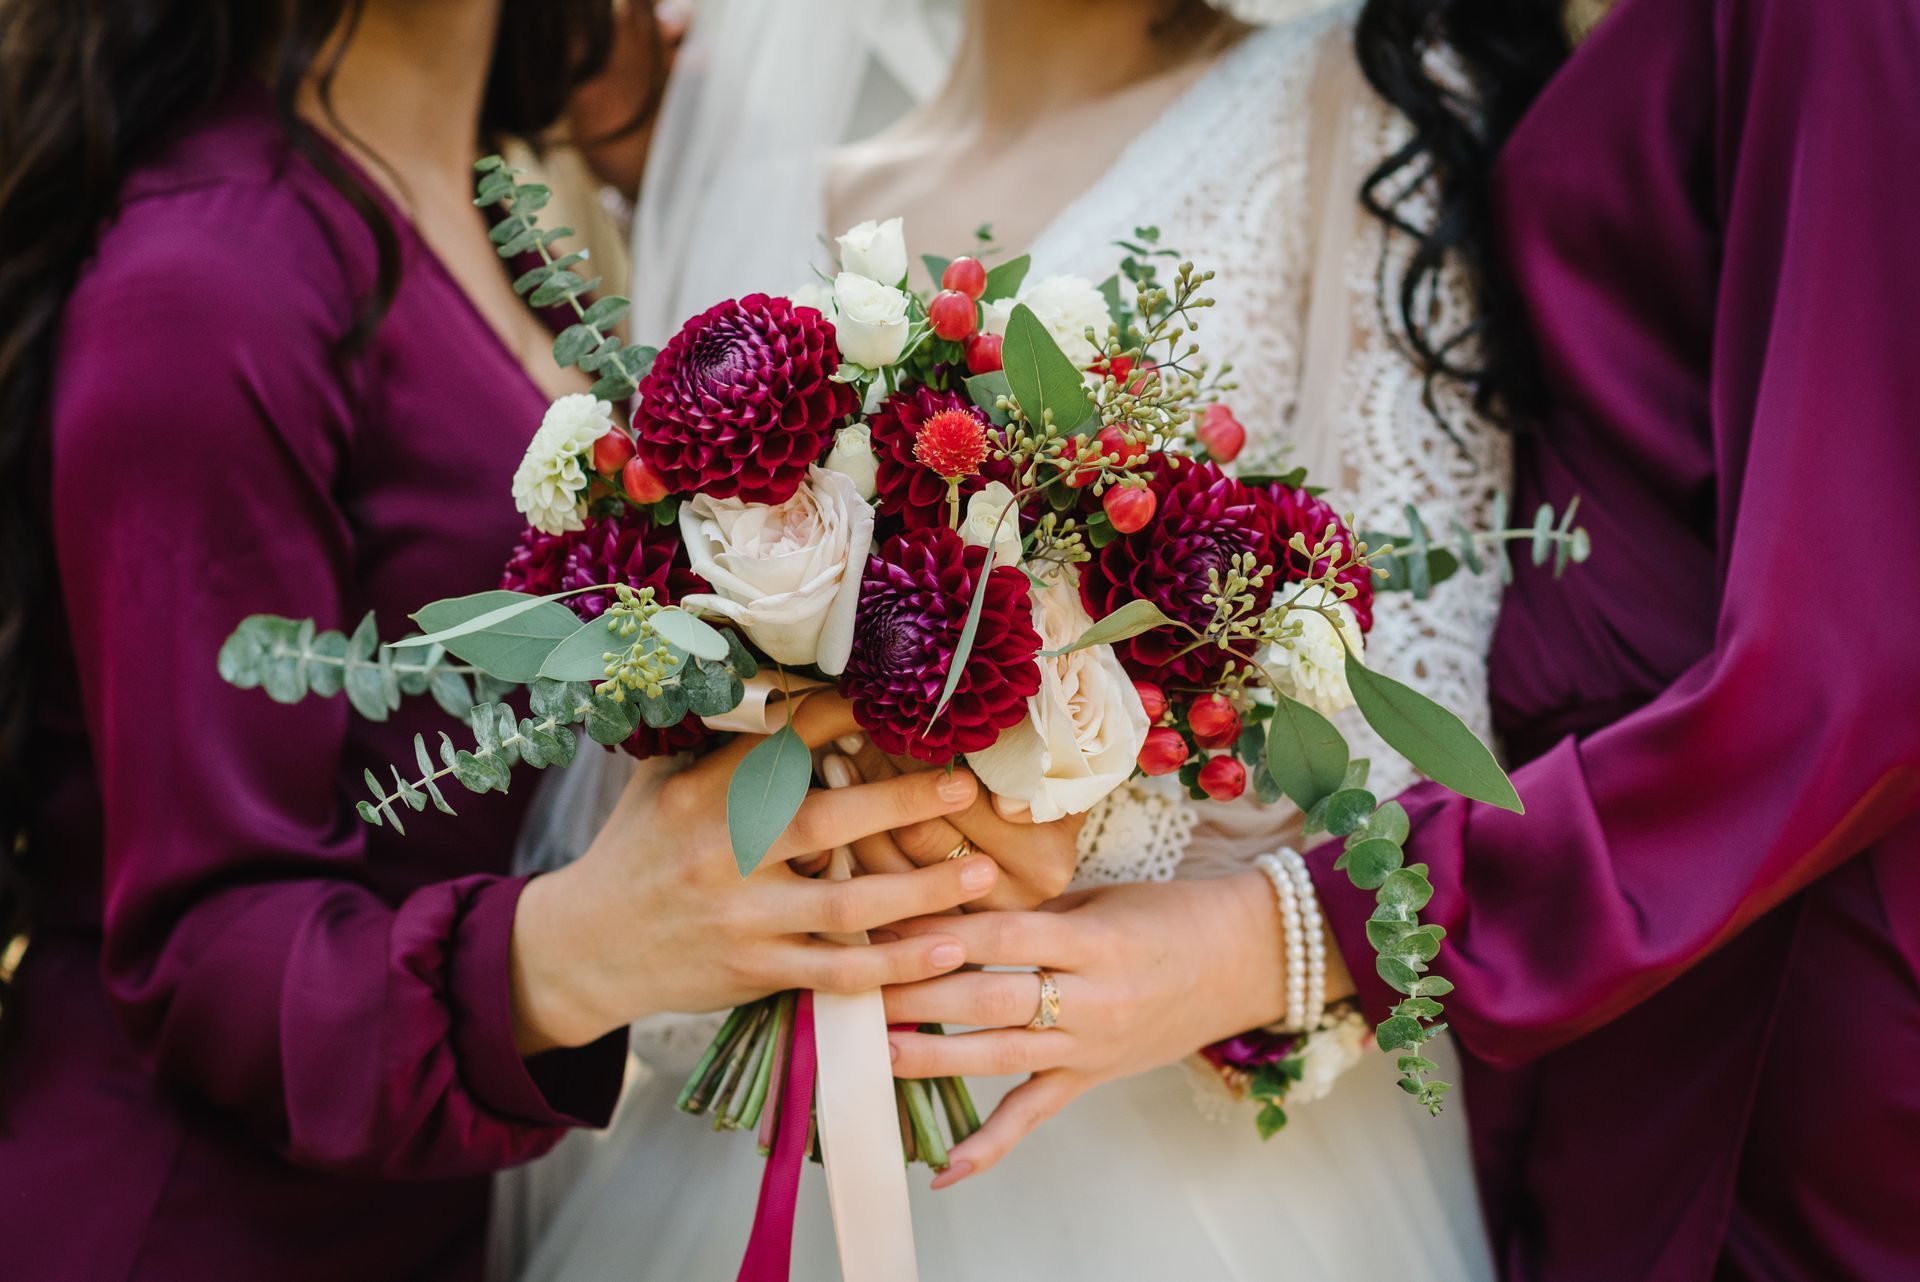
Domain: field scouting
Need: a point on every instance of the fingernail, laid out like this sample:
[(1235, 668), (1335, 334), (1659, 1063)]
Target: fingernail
[(837, 771), (882, 936), (957, 788), (850, 743), (977, 874), (947, 956), (893, 1051), (953, 1175)]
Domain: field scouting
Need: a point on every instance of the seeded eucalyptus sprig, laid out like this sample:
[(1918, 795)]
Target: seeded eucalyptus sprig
[(1415, 563), (592, 343), (291, 659)]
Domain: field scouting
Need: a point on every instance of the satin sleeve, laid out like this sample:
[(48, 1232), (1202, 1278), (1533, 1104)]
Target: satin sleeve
[(200, 442), (1791, 745)]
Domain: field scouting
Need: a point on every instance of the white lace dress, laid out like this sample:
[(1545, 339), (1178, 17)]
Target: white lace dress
[(1133, 1180)]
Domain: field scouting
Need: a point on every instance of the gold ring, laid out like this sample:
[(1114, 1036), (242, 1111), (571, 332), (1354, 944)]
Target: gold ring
[(960, 851), (1048, 1013)]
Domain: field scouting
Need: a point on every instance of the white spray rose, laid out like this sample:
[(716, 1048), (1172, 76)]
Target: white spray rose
[(1068, 306), (994, 315), (1083, 729), (983, 525), (787, 573), (1312, 667), (870, 320), (816, 294), (877, 251), (852, 457), (551, 479)]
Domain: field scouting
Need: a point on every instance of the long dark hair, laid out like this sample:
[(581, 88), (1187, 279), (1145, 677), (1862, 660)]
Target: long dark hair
[(88, 88), (1507, 50)]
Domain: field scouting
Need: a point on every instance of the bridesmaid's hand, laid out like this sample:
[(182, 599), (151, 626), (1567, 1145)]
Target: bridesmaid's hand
[(1036, 860), (656, 917), (1147, 974)]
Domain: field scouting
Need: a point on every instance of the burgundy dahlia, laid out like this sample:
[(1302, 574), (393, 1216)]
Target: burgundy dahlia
[(913, 607), (906, 487), (742, 400), (1293, 511), (632, 550), (538, 561), (1204, 518)]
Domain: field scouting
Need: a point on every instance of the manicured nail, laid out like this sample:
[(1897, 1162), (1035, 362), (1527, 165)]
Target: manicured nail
[(957, 788), (953, 1175), (850, 743), (977, 874), (947, 956), (837, 771), (893, 1051)]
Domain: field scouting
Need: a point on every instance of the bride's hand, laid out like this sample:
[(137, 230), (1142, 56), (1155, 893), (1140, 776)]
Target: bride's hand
[(656, 917), (1146, 973), (1036, 860)]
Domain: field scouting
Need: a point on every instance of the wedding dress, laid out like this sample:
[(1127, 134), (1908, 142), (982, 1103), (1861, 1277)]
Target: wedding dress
[(1160, 1176)]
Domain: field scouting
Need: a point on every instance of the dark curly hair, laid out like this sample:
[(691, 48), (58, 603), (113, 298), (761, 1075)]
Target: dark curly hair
[(1508, 50), (89, 88)]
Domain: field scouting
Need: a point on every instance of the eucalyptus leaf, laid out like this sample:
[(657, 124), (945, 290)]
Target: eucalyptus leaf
[(668, 708), (1436, 742), (1130, 620), (1041, 376), (1004, 279), (963, 650), (611, 721), (582, 656), (575, 341), (509, 634), (765, 793), (1306, 754), (1369, 863), (1346, 809), (690, 633), (607, 312)]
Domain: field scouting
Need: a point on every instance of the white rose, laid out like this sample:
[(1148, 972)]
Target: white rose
[(983, 526), (852, 457), (787, 573), (1083, 729), (994, 315), (870, 320), (1312, 667), (816, 294), (1068, 306), (877, 251), (551, 479)]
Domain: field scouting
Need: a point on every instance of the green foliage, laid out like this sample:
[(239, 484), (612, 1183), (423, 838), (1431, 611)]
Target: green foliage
[(507, 634), (1416, 564), (291, 659), (765, 793), (1434, 740), (1130, 620), (1043, 380), (1306, 754), (1004, 279)]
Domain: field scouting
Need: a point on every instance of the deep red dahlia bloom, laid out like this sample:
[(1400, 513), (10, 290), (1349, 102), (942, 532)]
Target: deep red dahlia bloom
[(904, 486), (742, 400), (1294, 511), (538, 561), (913, 607), (631, 549), (1204, 518)]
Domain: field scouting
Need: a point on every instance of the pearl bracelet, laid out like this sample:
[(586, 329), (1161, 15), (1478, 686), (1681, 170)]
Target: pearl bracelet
[(1304, 931)]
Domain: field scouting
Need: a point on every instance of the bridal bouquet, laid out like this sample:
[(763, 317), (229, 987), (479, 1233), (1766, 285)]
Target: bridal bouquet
[(996, 515)]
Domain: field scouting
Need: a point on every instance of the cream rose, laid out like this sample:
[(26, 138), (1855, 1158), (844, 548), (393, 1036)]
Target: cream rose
[(870, 320), (984, 527), (875, 250), (816, 294), (852, 457), (1312, 667), (787, 573), (1083, 729)]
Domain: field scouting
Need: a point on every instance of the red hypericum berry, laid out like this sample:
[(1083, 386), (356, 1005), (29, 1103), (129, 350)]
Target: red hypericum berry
[(611, 452), (1118, 366), (1077, 476), (952, 443), (1129, 507), (641, 483), (1221, 433), (983, 353), (1223, 778), (1152, 698), (965, 276), (953, 314), (1215, 721), (1120, 449), (1163, 752)]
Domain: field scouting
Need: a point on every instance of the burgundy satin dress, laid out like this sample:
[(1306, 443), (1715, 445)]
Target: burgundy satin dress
[(1687, 976), (257, 1038)]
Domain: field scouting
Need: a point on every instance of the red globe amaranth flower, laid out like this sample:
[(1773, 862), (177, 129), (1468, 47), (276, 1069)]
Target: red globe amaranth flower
[(913, 607), (952, 443), (538, 562), (742, 400), (905, 487), (633, 550), (1294, 511), (1204, 519)]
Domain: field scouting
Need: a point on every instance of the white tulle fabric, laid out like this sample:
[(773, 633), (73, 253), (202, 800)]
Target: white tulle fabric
[(1132, 1181)]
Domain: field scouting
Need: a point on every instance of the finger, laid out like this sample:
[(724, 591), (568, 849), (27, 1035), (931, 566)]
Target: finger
[(876, 853), (818, 717), (929, 841), (975, 999), (878, 899), (1019, 1112), (1053, 940), (841, 816), (993, 1052), (1012, 809), (859, 968)]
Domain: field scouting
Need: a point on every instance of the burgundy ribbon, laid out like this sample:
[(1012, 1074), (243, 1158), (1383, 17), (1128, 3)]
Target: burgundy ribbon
[(769, 1255)]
